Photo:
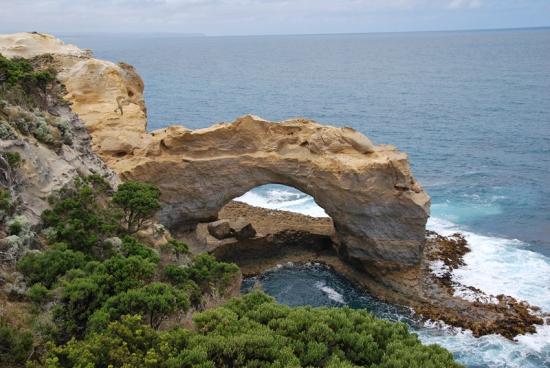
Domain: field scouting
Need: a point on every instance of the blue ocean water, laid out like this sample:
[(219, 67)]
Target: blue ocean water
[(472, 110)]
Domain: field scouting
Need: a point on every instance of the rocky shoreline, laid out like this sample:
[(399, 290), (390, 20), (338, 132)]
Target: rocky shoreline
[(291, 237)]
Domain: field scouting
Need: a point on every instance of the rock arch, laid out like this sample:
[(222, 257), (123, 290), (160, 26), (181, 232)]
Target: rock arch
[(378, 209)]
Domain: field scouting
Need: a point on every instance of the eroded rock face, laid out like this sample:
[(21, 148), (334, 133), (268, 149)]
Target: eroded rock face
[(378, 209)]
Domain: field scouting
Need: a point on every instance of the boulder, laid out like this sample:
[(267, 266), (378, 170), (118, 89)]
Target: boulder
[(220, 229), (243, 229)]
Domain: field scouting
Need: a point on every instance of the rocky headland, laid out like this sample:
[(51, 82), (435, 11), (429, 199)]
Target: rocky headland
[(376, 233)]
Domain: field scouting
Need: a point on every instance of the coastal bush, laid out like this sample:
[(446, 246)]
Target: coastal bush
[(12, 158), (6, 131), (208, 273), (132, 247), (45, 128), (6, 204), (155, 302), (138, 202), (15, 227), (85, 214), (38, 294), (177, 247), (20, 73), (254, 331), (88, 290), (77, 216), (15, 345), (46, 267)]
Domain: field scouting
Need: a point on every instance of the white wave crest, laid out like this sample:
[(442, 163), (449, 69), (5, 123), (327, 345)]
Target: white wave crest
[(330, 292), (286, 200)]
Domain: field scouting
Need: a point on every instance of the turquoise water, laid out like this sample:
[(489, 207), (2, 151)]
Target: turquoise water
[(472, 109)]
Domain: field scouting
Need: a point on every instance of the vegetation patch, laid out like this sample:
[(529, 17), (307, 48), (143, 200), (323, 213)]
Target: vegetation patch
[(25, 81), (254, 331)]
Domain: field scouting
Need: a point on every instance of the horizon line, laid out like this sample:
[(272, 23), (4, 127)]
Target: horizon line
[(199, 34)]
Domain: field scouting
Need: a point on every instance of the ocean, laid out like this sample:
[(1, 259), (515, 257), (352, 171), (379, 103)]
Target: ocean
[(472, 110)]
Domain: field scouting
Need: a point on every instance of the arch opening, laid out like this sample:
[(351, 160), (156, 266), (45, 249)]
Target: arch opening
[(283, 198), (288, 226)]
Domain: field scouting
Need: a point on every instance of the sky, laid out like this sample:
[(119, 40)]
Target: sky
[(251, 17)]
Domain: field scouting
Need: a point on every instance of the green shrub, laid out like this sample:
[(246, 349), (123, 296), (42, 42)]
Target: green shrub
[(38, 294), (79, 299), (203, 275), (155, 302), (179, 277), (47, 267), (210, 274), (77, 217), (88, 290), (19, 72), (15, 228), (13, 159), (176, 247), (15, 345), (132, 247), (6, 131), (6, 204), (139, 201)]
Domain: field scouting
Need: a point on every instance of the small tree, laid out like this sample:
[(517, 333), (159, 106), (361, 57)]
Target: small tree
[(176, 247), (138, 201), (155, 301)]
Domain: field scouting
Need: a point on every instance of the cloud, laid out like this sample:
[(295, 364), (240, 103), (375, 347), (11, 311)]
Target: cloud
[(267, 16), (470, 4)]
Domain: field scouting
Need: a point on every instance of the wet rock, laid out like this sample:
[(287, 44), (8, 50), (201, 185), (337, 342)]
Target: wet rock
[(220, 229)]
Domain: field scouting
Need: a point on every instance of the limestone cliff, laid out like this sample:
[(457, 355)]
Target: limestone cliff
[(378, 208)]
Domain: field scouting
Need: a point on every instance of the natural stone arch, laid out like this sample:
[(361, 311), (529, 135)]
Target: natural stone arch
[(378, 209)]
